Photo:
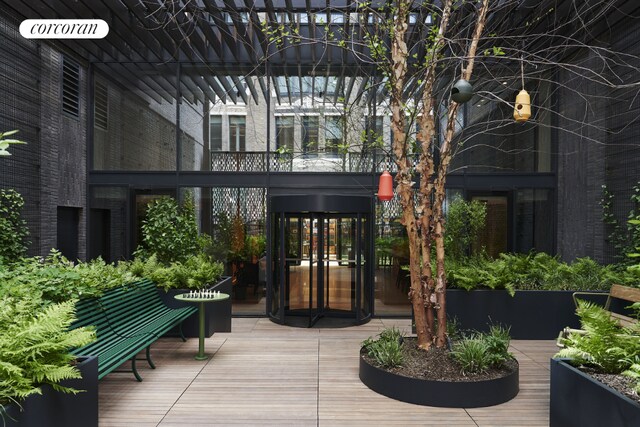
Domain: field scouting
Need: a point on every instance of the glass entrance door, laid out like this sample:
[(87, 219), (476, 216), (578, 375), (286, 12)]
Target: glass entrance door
[(321, 268)]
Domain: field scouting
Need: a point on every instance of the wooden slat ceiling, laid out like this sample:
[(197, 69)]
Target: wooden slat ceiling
[(223, 46)]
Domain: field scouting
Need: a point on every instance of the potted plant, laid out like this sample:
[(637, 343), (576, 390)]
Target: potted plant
[(175, 256), (479, 370), (194, 273), (42, 384), (595, 379)]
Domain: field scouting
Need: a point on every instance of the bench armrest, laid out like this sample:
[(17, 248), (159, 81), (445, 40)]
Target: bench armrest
[(587, 293)]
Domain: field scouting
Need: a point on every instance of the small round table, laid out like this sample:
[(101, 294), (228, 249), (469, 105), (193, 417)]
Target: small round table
[(201, 300)]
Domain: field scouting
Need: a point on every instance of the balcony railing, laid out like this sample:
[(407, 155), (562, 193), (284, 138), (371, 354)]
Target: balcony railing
[(256, 161)]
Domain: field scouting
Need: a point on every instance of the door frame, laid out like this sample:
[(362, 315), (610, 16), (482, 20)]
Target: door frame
[(509, 194), (321, 206)]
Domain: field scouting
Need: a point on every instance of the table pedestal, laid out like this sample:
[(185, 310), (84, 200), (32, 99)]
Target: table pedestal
[(201, 355), (201, 300)]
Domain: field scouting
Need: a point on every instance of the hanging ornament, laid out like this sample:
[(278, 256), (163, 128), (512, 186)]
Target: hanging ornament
[(385, 187), (522, 110), (462, 91)]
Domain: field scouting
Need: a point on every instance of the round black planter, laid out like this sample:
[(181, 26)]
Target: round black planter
[(440, 393)]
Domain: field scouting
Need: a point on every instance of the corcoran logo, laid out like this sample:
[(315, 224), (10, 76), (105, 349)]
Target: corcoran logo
[(64, 29)]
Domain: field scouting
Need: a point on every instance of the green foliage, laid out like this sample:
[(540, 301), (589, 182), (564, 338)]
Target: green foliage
[(634, 372), (472, 355), (238, 239), (479, 352), (533, 271), (604, 345), (13, 229), (34, 347), (387, 349), (498, 339), (219, 244), (6, 142), (465, 220), (195, 272), (255, 246), (625, 239), (169, 231), (56, 279)]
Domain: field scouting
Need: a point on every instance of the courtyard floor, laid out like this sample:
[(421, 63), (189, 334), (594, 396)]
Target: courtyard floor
[(265, 374)]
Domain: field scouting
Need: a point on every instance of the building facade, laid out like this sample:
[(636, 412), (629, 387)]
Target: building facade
[(100, 148)]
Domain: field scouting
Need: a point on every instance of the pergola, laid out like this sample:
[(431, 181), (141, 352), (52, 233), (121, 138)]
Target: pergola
[(212, 46)]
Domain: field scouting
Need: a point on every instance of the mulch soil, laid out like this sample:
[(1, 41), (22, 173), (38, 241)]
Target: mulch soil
[(437, 365), (617, 382)]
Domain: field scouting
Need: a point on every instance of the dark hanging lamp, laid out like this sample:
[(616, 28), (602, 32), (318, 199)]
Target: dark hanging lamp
[(385, 187)]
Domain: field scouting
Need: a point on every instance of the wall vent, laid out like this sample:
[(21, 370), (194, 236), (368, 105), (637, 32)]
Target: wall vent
[(70, 87)]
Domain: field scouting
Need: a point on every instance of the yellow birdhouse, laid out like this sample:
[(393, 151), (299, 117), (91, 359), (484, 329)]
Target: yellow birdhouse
[(522, 111)]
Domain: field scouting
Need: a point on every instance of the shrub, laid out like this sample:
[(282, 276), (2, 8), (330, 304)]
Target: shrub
[(387, 349), (465, 220), (194, 272), (479, 352), (472, 355), (13, 229), (533, 271), (34, 347), (169, 231), (56, 279), (498, 339), (623, 238)]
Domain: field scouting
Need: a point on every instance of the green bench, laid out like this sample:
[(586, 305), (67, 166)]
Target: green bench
[(127, 320)]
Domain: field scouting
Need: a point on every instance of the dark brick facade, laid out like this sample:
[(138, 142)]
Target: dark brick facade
[(50, 170)]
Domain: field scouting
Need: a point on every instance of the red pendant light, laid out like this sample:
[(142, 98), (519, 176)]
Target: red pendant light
[(385, 187)]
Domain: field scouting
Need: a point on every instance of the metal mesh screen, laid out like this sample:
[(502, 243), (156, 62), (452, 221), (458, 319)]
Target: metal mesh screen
[(249, 203)]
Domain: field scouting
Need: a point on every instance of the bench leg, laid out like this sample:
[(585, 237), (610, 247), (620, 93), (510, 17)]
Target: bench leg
[(134, 370), (182, 333), (149, 361)]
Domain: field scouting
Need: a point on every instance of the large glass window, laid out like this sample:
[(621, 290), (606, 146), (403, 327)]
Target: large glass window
[(237, 129), (141, 131), (193, 156), (534, 215), (310, 135), (215, 133), (284, 133), (333, 134)]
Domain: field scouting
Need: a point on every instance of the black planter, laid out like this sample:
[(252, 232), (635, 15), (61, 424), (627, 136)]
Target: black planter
[(532, 315), (217, 315), (579, 400), (439, 393), (55, 409)]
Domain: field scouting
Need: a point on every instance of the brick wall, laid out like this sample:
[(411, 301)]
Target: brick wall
[(50, 170)]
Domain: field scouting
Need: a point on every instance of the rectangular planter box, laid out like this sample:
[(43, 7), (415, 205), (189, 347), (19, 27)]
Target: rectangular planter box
[(55, 409), (578, 400), (532, 315), (217, 315)]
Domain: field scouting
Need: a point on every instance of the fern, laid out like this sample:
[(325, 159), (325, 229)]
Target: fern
[(34, 348), (604, 345)]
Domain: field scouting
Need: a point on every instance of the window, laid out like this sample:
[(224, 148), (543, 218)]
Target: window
[(374, 132), (237, 125), (101, 106), (310, 135), (333, 134), (215, 133), (284, 133), (70, 87)]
